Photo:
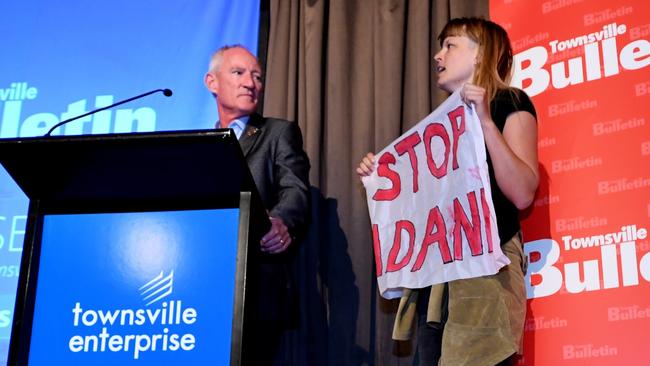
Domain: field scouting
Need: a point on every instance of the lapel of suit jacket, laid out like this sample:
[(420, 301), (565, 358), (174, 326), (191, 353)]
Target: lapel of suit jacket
[(251, 133)]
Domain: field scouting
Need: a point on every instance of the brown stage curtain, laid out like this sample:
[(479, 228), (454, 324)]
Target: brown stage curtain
[(354, 74)]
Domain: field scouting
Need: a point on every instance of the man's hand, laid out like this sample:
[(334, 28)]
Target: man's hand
[(277, 240)]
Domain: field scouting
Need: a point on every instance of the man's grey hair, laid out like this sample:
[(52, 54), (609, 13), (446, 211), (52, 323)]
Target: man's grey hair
[(217, 56)]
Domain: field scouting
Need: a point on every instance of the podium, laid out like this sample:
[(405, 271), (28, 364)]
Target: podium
[(139, 248)]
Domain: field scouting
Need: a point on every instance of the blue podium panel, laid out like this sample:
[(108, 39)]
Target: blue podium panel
[(145, 288)]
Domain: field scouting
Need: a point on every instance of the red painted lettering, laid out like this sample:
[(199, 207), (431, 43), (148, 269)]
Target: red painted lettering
[(457, 119), (434, 221), (384, 171), (472, 231), (486, 220), (407, 145), (392, 265), (377, 246), (431, 131)]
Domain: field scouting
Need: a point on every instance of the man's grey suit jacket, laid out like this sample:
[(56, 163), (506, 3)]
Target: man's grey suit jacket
[(280, 168)]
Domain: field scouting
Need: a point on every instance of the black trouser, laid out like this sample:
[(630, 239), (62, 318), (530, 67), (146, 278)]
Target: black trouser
[(429, 337), (263, 349)]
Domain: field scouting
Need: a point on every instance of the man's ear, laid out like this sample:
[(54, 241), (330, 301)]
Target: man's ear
[(211, 82)]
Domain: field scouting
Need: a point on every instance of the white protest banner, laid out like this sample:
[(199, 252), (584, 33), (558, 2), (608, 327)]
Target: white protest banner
[(430, 204)]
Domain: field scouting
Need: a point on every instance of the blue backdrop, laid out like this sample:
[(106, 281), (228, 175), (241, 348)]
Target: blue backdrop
[(61, 59)]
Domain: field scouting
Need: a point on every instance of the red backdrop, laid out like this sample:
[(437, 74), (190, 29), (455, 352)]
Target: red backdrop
[(586, 64)]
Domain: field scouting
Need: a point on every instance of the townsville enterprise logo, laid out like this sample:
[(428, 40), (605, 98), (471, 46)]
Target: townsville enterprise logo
[(158, 288), (136, 331)]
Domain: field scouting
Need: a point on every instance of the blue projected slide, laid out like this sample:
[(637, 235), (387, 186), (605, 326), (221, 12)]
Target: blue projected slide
[(62, 59), (148, 288)]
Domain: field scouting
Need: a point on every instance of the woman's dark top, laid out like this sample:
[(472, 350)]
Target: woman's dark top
[(505, 103)]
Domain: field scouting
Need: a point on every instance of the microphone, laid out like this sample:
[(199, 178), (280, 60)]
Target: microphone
[(166, 92)]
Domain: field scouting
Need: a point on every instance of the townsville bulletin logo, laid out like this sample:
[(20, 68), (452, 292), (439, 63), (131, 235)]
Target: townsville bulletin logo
[(152, 328)]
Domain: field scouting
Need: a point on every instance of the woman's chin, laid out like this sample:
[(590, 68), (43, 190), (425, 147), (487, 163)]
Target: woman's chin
[(446, 87)]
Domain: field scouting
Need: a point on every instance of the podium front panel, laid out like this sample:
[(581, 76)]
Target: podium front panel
[(146, 288)]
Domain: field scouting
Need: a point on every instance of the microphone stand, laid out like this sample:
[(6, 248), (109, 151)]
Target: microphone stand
[(166, 92)]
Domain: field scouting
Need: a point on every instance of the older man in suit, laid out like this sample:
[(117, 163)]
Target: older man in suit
[(280, 168)]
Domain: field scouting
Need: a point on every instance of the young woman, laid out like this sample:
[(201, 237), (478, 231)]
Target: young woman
[(479, 321)]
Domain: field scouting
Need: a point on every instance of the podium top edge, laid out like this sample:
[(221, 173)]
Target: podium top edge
[(225, 133)]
